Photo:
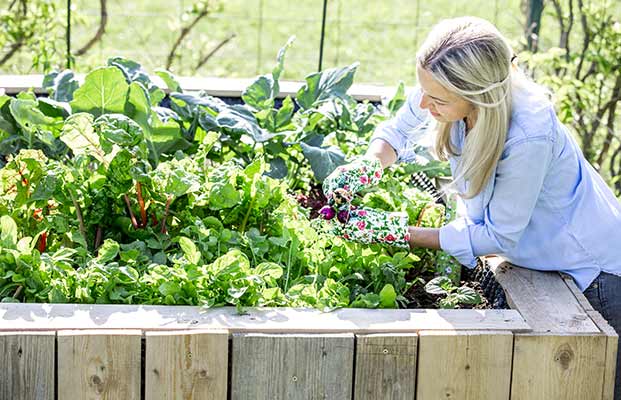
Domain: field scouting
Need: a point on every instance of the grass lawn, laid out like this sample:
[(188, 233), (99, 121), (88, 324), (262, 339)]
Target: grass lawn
[(382, 35)]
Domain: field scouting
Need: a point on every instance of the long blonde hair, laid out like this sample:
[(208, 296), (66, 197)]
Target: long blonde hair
[(471, 58)]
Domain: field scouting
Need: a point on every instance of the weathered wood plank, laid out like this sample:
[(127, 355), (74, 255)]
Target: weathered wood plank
[(99, 364), (27, 365), (186, 365), (580, 298), (612, 346), (292, 367), (612, 338), (558, 367), (464, 365), (542, 298), (385, 366), (224, 87), (277, 320)]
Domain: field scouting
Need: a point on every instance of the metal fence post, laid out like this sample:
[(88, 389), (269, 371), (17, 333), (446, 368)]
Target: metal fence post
[(68, 38), (323, 33)]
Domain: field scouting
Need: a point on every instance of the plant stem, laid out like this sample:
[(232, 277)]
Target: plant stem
[(245, 221), (18, 291), (143, 212), (98, 237), (168, 201), (78, 211), (42, 242), (131, 213)]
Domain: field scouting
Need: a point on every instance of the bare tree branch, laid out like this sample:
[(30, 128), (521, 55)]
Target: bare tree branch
[(103, 20), (184, 32), (14, 48), (586, 41), (204, 60), (615, 167)]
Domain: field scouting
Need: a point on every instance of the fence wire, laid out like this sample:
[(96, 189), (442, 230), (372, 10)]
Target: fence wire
[(382, 35)]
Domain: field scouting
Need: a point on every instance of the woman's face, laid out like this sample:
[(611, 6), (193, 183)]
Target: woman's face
[(444, 105)]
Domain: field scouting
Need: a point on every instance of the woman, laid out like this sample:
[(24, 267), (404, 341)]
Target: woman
[(529, 193)]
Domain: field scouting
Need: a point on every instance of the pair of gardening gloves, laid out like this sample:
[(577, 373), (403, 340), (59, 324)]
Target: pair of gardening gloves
[(364, 225)]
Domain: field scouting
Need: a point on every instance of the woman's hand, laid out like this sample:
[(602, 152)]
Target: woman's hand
[(347, 180)]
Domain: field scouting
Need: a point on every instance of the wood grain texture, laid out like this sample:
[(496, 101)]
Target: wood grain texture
[(612, 347), (267, 319), (542, 298), (558, 367), (186, 365), (292, 367), (27, 365), (612, 338), (385, 366), (464, 365), (99, 365)]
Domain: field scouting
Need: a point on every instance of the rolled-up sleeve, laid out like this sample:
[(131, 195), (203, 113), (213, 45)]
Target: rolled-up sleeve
[(407, 127), (519, 180)]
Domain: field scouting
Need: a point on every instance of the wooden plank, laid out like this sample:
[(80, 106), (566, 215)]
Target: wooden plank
[(580, 298), (223, 87), (30, 316), (186, 365), (612, 346), (558, 367), (464, 365), (292, 367), (99, 364), (385, 366), (27, 365), (542, 298), (612, 338)]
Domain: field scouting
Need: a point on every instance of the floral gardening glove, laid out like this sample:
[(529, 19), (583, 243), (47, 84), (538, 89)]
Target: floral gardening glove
[(347, 180), (366, 225)]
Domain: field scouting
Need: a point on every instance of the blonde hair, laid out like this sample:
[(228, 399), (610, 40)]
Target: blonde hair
[(471, 58)]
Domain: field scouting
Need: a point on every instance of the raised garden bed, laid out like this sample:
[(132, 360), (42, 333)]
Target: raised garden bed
[(550, 345), (540, 340)]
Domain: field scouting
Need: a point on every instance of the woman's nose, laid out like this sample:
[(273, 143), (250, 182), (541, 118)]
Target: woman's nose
[(424, 102)]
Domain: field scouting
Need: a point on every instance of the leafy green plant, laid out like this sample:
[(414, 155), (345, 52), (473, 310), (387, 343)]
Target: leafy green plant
[(107, 196), (453, 295)]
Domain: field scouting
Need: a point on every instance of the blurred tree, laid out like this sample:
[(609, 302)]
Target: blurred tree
[(586, 78), (32, 26)]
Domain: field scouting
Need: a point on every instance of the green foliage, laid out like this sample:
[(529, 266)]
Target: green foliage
[(584, 73), (32, 27), (453, 295), (107, 197)]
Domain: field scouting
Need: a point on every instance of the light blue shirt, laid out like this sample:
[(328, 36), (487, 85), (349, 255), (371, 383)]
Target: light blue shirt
[(544, 207)]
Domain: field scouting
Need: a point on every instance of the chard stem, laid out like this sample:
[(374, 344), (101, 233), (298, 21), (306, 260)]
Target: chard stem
[(78, 211), (143, 212), (131, 213), (168, 201)]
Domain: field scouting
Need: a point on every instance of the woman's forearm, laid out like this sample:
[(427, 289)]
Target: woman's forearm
[(424, 237), (383, 151)]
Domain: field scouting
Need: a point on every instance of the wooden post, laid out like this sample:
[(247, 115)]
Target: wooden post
[(27, 365), (464, 365), (186, 365), (99, 364), (292, 367), (385, 366)]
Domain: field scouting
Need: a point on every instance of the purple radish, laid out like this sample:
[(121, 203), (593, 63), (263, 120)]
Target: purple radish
[(327, 212), (343, 216)]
